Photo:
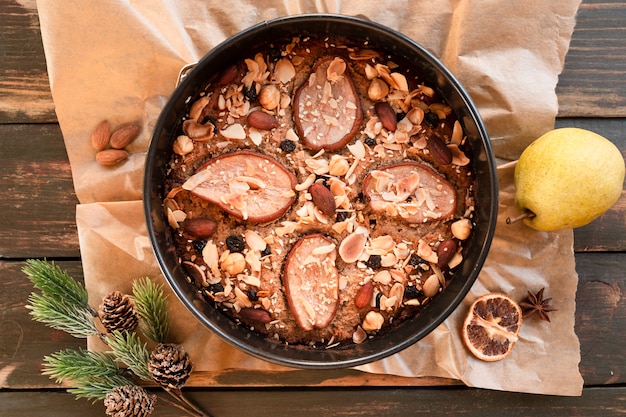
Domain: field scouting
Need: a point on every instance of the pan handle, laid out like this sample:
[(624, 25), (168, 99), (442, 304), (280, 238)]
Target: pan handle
[(184, 71)]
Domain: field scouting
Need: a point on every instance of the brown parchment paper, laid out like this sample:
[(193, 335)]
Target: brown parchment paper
[(119, 60)]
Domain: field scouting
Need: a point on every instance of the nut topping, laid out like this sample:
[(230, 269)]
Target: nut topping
[(323, 199)]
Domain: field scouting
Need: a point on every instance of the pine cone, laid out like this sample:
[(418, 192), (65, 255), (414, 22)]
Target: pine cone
[(129, 401), (117, 312), (170, 365)]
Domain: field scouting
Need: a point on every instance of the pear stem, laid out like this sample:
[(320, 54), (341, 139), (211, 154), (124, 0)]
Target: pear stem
[(526, 214)]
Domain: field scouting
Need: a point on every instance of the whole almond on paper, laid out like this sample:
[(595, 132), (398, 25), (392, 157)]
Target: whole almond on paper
[(110, 157), (123, 136), (100, 136)]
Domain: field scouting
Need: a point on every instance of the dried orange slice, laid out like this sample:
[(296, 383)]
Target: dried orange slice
[(491, 327)]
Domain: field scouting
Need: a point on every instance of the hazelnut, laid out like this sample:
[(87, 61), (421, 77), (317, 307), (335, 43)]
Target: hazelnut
[(269, 97), (461, 229), (182, 145), (377, 90), (234, 263), (373, 321)]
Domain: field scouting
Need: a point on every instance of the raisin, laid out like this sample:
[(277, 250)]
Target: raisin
[(287, 145), (411, 292), (235, 243), (341, 216), (198, 245), (431, 119), (370, 142), (251, 92), (252, 295), (418, 262), (400, 116), (274, 54), (373, 261), (378, 297), (267, 251), (215, 288)]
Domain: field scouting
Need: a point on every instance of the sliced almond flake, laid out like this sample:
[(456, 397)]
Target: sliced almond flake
[(370, 72), (256, 136), (252, 182), (458, 157), (388, 260), (234, 131), (357, 149), (323, 250), (284, 71), (425, 252), (383, 277), (253, 258), (348, 175), (384, 242), (306, 183), (292, 135), (197, 179), (254, 240), (400, 81), (251, 280)]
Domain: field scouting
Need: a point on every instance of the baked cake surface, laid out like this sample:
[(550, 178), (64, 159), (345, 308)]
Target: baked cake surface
[(318, 192)]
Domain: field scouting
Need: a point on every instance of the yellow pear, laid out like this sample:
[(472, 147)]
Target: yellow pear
[(567, 178)]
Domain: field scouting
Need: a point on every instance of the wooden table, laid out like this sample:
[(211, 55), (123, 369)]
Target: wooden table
[(37, 220)]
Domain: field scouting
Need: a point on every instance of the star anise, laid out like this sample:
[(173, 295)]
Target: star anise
[(536, 304)]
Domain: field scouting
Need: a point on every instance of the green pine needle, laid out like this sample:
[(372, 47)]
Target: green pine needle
[(152, 308), (128, 348), (92, 373), (58, 314), (56, 283)]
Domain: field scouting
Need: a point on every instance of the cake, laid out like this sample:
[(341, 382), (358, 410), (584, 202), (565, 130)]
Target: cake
[(319, 192)]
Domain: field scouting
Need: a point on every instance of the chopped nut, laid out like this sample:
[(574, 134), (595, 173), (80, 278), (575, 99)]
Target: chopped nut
[(373, 321)]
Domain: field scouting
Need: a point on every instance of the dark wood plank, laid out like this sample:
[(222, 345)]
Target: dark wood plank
[(600, 319), (389, 402), (597, 47), (24, 85), (592, 81), (38, 211)]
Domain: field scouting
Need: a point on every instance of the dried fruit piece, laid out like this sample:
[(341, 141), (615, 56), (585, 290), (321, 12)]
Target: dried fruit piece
[(248, 185), (491, 327), (411, 191), (123, 136), (327, 109), (100, 136), (110, 157), (311, 282), (323, 199)]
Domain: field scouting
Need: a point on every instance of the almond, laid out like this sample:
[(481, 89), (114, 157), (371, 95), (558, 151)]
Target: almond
[(100, 136), (387, 115), (364, 296), (200, 228), (123, 136), (323, 199), (110, 157), (445, 252), (256, 314), (228, 75), (439, 151), (260, 120)]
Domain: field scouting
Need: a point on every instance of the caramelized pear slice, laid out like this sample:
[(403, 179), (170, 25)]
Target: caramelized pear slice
[(311, 282), (248, 185), (411, 191), (327, 110)]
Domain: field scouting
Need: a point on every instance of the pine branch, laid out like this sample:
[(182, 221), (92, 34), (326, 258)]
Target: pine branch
[(152, 308), (58, 314), (57, 284), (92, 373), (128, 348)]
